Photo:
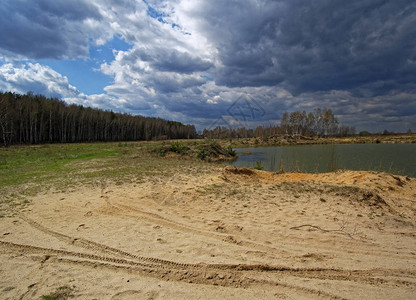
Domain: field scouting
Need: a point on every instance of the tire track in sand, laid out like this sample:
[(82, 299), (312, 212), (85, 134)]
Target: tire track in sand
[(87, 244), (372, 277), (233, 275)]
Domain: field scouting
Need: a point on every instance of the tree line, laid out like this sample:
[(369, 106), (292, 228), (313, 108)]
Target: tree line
[(319, 122), (34, 119)]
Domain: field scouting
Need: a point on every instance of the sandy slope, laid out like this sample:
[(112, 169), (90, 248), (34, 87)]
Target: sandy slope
[(220, 234)]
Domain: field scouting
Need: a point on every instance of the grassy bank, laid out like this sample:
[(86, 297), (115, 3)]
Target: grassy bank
[(28, 170)]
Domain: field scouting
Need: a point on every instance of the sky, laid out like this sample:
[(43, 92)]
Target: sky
[(208, 63)]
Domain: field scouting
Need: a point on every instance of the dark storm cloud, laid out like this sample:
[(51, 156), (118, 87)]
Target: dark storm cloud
[(46, 28), (170, 84), (313, 45), (170, 60), (181, 62)]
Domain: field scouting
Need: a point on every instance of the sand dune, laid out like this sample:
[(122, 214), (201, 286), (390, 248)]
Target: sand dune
[(224, 233)]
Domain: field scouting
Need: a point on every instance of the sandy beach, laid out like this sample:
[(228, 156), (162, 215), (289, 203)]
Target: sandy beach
[(217, 233)]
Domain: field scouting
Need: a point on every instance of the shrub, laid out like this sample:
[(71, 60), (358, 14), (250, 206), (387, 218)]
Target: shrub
[(162, 151), (201, 153), (62, 293), (231, 151), (364, 133), (259, 166), (178, 147)]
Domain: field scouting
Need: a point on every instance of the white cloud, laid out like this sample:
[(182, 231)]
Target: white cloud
[(37, 78)]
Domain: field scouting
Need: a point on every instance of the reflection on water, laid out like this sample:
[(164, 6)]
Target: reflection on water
[(392, 158)]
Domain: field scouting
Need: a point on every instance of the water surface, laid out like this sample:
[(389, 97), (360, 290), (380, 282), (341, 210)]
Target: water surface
[(392, 158)]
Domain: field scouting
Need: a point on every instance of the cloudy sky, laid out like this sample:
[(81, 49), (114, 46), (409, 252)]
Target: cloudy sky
[(236, 62)]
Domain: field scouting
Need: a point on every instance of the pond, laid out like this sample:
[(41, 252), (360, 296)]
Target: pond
[(393, 158)]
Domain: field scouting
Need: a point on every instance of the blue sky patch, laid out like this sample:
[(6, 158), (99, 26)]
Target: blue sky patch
[(84, 74)]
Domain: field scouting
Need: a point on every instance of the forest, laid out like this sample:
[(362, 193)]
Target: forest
[(34, 119)]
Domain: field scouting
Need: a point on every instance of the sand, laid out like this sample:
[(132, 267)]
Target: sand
[(219, 233)]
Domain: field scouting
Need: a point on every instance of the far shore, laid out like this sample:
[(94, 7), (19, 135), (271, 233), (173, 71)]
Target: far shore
[(290, 140)]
